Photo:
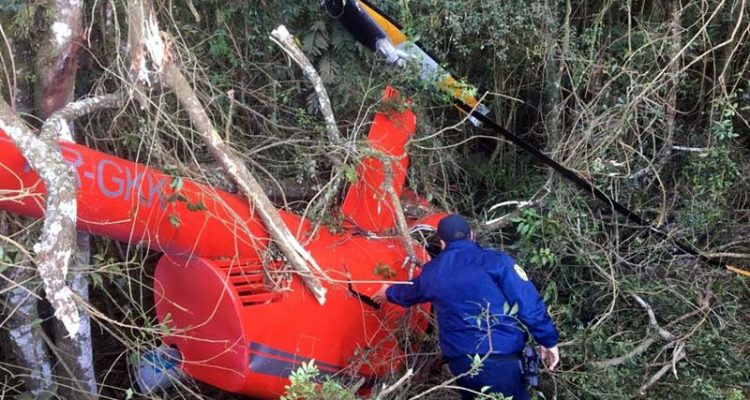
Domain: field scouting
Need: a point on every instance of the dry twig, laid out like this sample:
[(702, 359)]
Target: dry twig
[(390, 389)]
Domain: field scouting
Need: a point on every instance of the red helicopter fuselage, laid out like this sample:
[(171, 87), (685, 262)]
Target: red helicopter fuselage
[(241, 321)]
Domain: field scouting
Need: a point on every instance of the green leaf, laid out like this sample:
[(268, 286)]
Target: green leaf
[(96, 279), (176, 183), (351, 174), (174, 220), (513, 310), (506, 308), (200, 206)]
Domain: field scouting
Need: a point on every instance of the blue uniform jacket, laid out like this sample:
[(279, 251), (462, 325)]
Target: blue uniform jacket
[(473, 291)]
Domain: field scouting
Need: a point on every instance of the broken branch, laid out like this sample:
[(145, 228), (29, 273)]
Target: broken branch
[(143, 25), (645, 344), (285, 40), (246, 182), (679, 354)]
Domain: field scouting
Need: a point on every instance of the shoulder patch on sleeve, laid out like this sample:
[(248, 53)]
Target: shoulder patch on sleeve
[(521, 273)]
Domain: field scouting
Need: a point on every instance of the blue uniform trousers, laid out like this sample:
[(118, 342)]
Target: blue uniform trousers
[(502, 373)]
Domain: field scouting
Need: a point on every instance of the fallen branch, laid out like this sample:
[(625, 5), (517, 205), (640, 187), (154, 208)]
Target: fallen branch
[(678, 355), (285, 40), (644, 345), (500, 222), (297, 256), (636, 351), (142, 16), (691, 149), (398, 210), (727, 255), (57, 125), (76, 366), (388, 186), (663, 333)]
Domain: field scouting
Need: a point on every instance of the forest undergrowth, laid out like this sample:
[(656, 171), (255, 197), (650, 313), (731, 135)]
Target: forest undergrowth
[(649, 101)]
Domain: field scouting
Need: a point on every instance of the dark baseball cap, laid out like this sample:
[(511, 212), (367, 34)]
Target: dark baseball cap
[(453, 227)]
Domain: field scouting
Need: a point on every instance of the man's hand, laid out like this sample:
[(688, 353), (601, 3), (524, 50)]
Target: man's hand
[(551, 357), (379, 296)]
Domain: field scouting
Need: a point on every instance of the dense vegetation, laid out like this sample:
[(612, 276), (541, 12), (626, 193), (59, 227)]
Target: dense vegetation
[(647, 99)]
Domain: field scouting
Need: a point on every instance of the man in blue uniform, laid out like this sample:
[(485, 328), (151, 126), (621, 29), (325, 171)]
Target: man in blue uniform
[(485, 304)]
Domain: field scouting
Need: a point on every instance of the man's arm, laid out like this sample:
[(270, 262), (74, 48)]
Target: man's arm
[(401, 294), (532, 312)]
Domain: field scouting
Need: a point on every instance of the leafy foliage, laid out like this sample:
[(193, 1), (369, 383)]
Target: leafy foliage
[(304, 385)]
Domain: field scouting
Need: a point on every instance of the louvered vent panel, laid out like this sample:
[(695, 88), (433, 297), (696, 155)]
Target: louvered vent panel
[(247, 280)]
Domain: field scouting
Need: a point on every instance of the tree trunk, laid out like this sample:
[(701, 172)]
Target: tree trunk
[(57, 64), (57, 59), (553, 71), (27, 338), (75, 368), (26, 341)]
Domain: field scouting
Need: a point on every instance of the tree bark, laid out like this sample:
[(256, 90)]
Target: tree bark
[(54, 248), (76, 367), (398, 211), (26, 342), (57, 65), (57, 59), (27, 339), (75, 371), (284, 39), (296, 255)]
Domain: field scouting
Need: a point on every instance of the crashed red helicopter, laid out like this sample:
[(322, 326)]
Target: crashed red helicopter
[(233, 323)]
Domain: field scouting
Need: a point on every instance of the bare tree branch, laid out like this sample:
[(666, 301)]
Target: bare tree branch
[(663, 333), (679, 354), (398, 211), (284, 39), (644, 345), (57, 124)]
